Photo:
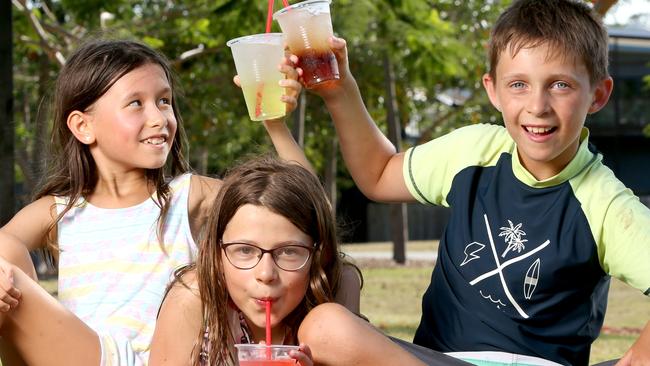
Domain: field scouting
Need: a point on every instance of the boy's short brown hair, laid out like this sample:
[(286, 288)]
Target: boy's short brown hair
[(569, 27)]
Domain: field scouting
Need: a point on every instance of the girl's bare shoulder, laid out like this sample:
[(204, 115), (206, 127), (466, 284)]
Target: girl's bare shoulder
[(183, 295), (203, 190)]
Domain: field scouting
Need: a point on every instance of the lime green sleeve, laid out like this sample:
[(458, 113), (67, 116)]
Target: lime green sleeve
[(620, 225), (429, 169)]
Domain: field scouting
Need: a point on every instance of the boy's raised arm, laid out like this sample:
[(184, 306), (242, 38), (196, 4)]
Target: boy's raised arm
[(373, 162)]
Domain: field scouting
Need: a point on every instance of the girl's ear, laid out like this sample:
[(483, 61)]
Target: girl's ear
[(80, 127)]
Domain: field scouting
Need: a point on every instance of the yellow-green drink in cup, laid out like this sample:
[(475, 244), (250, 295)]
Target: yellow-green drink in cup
[(307, 27), (257, 58)]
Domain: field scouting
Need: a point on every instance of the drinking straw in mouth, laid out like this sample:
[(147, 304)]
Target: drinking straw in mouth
[(268, 329)]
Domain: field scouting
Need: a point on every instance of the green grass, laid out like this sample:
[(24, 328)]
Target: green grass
[(391, 299)]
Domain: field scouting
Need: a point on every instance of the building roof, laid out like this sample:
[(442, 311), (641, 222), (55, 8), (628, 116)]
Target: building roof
[(629, 32)]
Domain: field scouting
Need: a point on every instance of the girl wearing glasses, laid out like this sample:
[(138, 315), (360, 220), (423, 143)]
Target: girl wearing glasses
[(271, 236)]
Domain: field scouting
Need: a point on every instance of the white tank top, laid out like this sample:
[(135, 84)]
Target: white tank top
[(112, 270)]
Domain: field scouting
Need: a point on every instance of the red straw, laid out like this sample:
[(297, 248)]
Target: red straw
[(259, 93), (269, 16), (286, 3), (268, 329)]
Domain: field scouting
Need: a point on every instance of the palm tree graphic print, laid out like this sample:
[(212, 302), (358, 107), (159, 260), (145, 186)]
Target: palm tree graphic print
[(513, 236)]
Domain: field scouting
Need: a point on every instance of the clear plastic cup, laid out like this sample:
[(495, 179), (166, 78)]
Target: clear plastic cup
[(307, 27), (257, 58), (263, 355)]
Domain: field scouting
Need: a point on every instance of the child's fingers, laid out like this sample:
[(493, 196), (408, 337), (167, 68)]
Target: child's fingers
[(9, 295), (338, 46), (236, 80), (292, 87), (289, 59), (7, 302), (302, 358), (289, 70), (287, 51), (292, 60), (291, 102), (305, 349)]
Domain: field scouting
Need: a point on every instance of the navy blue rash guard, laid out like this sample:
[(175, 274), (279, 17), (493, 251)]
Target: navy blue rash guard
[(524, 265)]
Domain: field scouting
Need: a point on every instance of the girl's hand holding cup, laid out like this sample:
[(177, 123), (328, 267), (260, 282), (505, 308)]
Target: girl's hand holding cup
[(303, 356), (290, 83)]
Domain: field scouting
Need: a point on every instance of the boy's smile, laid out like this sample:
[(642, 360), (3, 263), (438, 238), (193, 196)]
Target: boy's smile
[(544, 96)]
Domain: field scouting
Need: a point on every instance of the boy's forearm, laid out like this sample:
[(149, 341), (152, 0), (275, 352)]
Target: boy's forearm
[(365, 149)]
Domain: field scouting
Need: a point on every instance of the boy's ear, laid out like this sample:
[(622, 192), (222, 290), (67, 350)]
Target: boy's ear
[(490, 88), (602, 92), (80, 127)]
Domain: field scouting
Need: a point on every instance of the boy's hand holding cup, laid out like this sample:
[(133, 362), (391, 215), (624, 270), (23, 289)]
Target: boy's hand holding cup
[(307, 28)]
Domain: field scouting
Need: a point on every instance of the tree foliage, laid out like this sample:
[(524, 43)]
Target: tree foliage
[(436, 47)]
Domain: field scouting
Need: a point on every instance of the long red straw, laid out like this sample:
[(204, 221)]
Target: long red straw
[(269, 16), (268, 329)]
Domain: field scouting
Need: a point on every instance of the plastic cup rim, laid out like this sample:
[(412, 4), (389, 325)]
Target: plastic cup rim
[(299, 5), (278, 346), (242, 39)]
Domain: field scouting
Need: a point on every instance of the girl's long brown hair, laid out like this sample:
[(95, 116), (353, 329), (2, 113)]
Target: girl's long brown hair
[(89, 72), (288, 190)]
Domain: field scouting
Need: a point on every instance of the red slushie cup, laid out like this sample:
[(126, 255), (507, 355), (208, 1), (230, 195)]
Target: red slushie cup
[(307, 27), (263, 355)]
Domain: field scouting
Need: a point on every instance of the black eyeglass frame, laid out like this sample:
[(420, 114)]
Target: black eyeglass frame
[(270, 251)]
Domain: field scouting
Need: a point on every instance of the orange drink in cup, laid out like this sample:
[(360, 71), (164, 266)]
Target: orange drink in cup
[(307, 27), (263, 355), (257, 58)]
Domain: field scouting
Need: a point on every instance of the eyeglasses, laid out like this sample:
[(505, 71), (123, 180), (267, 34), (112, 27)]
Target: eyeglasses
[(247, 256)]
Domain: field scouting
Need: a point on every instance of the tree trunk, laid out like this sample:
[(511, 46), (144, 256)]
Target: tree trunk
[(298, 127), (7, 203), (398, 217), (330, 172), (204, 157), (41, 126)]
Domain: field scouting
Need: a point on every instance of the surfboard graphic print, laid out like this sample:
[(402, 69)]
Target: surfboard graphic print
[(530, 281)]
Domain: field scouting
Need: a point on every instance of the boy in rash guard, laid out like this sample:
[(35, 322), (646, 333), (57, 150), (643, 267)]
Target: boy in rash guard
[(538, 223)]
